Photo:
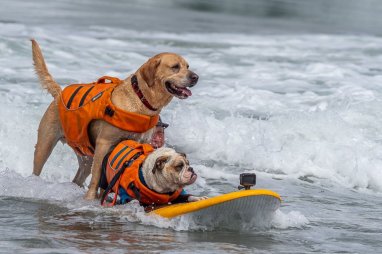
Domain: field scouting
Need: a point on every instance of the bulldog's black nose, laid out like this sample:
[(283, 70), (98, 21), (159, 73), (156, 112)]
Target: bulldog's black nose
[(191, 169), (193, 78)]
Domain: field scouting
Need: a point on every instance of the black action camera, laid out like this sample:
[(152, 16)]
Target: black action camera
[(247, 180)]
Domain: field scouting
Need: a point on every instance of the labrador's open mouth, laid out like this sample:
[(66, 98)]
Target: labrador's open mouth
[(180, 92)]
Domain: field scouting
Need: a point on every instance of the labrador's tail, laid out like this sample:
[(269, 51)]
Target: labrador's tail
[(46, 80)]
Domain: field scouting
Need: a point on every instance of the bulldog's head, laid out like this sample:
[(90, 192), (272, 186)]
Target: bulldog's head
[(165, 170)]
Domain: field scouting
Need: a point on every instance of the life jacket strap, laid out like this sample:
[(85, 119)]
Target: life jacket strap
[(136, 191), (103, 179), (116, 179)]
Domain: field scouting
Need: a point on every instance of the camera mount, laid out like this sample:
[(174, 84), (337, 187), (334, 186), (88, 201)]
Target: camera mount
[(247, 180)]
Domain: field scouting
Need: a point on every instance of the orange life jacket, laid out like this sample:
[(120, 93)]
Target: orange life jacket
[(122, 170), (82, 103)]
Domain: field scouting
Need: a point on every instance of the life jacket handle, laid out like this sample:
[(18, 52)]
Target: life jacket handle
[(116, 179), (102, 80)]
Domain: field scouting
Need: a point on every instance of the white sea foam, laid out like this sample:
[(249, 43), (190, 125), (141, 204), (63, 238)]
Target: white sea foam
[(306, 107), (13, 184), (70, 196), (293, 219)]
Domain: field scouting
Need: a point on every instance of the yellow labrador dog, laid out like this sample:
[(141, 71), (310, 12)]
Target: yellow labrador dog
[(155, 83)]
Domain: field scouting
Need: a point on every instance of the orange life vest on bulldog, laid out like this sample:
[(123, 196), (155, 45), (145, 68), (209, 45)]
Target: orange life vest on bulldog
[(82, 103), (122, 170)]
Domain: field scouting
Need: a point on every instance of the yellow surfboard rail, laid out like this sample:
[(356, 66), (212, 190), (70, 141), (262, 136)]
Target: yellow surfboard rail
[(183, 208)]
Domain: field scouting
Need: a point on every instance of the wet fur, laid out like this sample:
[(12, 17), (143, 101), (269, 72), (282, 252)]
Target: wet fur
[(160, 170), (152, 77), (166, 171)]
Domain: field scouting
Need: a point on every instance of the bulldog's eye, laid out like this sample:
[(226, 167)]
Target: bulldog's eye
[(188, 66), (179, 167), (175, 67)]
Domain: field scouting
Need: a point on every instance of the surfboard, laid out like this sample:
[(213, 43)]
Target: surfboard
[(247, 203)]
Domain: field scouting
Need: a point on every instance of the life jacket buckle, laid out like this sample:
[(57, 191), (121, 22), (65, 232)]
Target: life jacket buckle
[(109, 111)]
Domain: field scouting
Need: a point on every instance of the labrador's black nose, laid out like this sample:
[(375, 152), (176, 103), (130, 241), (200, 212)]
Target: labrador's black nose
[(193, 78)]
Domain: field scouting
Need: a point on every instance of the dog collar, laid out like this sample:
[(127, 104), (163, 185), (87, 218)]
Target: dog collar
[(137, 90)]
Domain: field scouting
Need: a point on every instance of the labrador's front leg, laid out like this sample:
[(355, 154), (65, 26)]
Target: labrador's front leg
[(101, 149)]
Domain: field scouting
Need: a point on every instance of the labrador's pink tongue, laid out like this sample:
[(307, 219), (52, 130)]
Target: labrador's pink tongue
[(186, 91)]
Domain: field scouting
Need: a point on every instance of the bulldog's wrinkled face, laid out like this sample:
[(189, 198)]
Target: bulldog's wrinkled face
[(168, 170), (169, 72)]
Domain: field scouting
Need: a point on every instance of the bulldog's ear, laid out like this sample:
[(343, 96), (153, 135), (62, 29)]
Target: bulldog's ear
[(149, 69), (183, 154), (159, 163)]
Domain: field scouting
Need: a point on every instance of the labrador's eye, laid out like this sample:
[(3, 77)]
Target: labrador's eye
[(175, 67)]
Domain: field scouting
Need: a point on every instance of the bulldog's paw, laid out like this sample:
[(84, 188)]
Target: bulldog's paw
[(194, 198)]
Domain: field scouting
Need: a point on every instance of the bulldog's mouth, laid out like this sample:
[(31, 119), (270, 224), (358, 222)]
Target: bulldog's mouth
[(192, 178), (179, 92)]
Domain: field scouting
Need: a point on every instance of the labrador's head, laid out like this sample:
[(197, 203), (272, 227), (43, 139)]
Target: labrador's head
[(169, 73)]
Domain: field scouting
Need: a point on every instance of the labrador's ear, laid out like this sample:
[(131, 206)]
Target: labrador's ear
[(159, 163), (149, 69)]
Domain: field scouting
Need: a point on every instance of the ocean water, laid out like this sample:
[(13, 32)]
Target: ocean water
[(289, 90)]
